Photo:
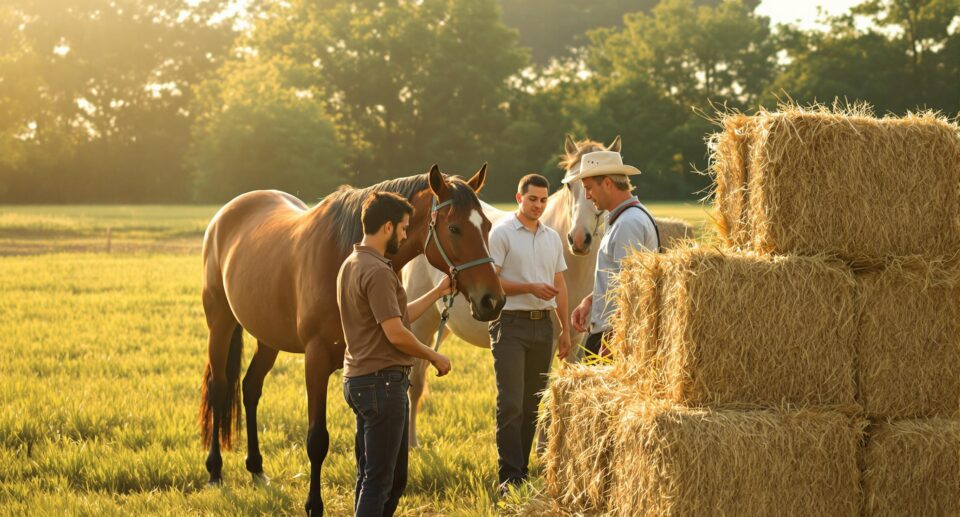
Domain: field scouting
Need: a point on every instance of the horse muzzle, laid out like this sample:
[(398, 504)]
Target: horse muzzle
[(579, 246), (487, 307)]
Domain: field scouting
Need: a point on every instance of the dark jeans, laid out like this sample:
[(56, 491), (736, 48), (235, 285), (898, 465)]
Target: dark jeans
[(522, 350), (380, 403)]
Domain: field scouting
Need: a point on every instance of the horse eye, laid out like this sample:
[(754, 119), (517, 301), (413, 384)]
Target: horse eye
[(454, 229)]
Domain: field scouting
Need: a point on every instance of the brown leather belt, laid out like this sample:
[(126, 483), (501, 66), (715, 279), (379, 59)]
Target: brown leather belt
[(530, 315)]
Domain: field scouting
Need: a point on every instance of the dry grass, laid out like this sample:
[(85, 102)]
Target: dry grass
[(674, 461), (584, 402), (909, 340), (839, 181), (703, 327), (913, 468)]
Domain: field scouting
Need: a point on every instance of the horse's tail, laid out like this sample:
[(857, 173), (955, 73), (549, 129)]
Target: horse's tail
[(230, 408)]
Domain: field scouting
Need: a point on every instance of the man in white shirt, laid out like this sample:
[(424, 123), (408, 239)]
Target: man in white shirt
[(629, 227), (528, 256)]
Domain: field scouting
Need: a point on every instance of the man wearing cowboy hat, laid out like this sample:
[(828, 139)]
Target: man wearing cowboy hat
[(629, 226)]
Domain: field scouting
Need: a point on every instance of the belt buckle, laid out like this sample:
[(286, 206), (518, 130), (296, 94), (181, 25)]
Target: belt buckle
[(536, 315)]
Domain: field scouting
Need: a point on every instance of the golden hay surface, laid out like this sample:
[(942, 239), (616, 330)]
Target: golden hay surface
[(731, 170), (674, 232), (704, 327), (840, 182), (583, 402), (673, 461), (912, 467), (909, 340)]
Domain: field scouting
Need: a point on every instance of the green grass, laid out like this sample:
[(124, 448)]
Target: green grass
[(100, 363)]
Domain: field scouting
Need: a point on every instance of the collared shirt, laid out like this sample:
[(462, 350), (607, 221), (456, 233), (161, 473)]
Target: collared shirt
[(632, 229), (369, 293), (527, 257)]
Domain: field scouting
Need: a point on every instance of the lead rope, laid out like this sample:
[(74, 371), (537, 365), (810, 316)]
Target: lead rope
[(444, 316)]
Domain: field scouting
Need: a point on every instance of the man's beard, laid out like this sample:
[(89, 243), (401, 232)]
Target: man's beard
[(393, 245)]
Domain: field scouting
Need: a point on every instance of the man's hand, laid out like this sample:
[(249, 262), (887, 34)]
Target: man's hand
[(442, 364), (543, 291), (443, 288), (579, 316), (563, 345)]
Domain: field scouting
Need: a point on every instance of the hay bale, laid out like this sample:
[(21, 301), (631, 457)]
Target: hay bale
[(583, 401), (912, 467), (703, 327), (909, 340), (730, 162), (675, 461), (674, 232), (840, 182)]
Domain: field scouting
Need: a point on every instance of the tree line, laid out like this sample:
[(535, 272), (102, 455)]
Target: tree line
[(185, 101)]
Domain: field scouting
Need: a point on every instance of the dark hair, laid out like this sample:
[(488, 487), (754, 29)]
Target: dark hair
[(534, 180), (382, 207)]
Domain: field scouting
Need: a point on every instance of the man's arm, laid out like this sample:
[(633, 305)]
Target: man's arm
[(416, 308), (563, 347), (400, 337), (579, 317), (542, 291)]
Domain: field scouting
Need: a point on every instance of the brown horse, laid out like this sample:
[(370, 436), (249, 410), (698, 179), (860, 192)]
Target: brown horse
[(270, 266)]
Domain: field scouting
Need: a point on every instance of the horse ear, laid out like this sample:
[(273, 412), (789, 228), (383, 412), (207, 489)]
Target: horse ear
[(569, 145), (478, 179), (438, 184), (615, 145)]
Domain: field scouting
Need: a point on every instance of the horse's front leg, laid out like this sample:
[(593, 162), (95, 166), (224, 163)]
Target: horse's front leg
[(318, 367)]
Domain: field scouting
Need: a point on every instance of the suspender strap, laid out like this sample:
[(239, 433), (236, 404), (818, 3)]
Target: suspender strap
[(636, 204)]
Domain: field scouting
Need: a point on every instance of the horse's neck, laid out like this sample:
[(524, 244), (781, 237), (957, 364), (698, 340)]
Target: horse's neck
[(556, 215), (580, 268)]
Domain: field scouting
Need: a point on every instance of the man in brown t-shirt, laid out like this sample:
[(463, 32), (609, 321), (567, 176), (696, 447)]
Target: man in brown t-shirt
[(380, 352)]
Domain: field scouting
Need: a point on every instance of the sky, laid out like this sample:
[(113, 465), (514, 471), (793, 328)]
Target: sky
[(802, 11)]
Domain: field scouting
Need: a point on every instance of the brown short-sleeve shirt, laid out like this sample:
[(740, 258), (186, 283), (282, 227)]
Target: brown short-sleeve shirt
[(369, 293)]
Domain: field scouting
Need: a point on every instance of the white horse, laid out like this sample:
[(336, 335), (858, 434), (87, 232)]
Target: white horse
[(571, 215)]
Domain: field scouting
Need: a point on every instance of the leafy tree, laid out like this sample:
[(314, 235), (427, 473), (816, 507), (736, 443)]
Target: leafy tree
[(409, 83), (104, 87), (551, 29), (255, 131)]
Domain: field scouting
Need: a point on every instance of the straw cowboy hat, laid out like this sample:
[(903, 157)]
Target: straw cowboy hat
[(601, 163)]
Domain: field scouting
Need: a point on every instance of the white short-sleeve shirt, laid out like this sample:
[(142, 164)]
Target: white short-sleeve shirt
[(528, 257)]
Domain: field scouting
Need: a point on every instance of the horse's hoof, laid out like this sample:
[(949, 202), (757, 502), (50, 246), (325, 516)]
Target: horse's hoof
[(261, 479), (215, 483)]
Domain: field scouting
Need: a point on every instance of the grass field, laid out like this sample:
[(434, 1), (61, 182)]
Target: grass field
[(100, 363)]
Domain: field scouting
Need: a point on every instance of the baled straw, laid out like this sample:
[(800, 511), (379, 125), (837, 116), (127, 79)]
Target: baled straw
[(730, 162), (909, 340), (583, 401), (841, 182), (675, 461), (912, 467), (704, 327), (674, 232)]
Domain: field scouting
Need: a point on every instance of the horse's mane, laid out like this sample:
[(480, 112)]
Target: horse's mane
[(343, 207)]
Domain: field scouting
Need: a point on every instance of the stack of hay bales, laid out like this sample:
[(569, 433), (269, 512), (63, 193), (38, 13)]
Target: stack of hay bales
[(810, 364)]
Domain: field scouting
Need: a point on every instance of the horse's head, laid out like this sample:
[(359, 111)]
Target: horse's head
[(458, 242), (584, 217)]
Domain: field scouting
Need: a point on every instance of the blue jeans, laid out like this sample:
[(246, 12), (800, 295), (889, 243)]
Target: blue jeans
[(380, 403)]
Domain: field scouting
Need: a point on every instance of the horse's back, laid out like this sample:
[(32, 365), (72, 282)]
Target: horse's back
[(249, 256)]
